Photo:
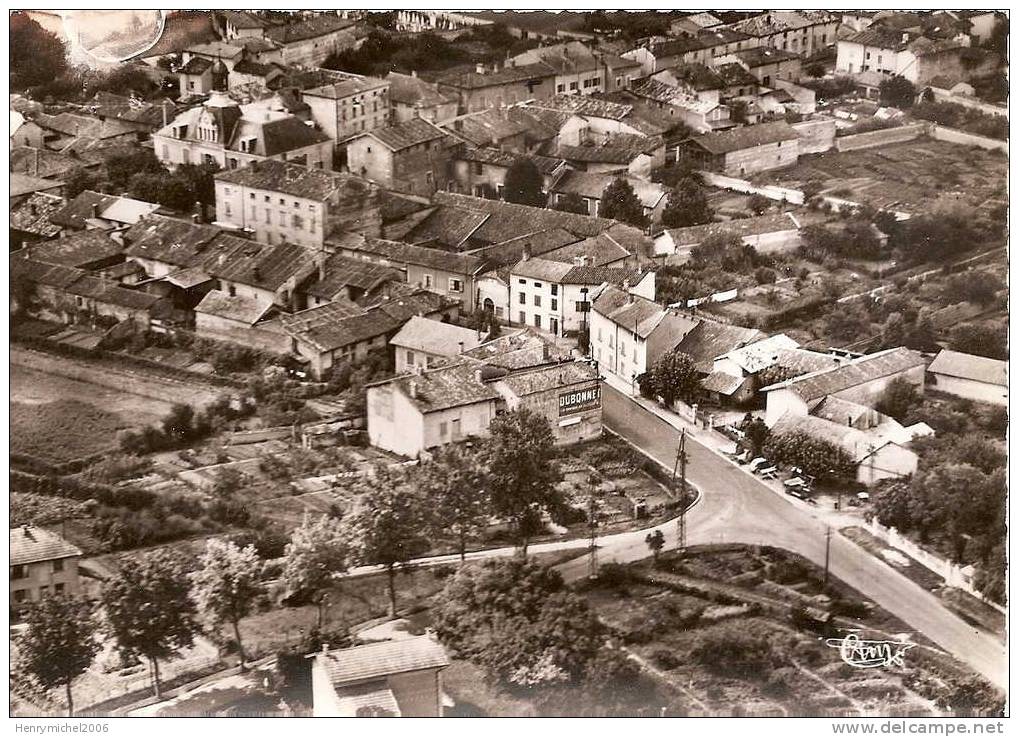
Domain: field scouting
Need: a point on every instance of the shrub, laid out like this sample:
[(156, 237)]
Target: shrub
[(665, 659)]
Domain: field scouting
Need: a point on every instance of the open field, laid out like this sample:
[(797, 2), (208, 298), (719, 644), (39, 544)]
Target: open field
[(63, 430), (904, 176)]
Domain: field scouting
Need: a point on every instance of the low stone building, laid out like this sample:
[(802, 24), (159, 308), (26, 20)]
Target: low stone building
[(746, 150), (972, 377), (42, 564)]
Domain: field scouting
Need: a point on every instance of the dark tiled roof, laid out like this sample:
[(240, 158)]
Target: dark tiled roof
[(33, 215), (450, 226), (405, 135), (509, 252), (168, 240), (734, 75), (409, 90), (24, 184), (563, 374), (602, 250), (288, 134), (33, 545), (435, 336), (341, 271), (747, 136), (49, 275), (776, 21), (567, 273), (404, 253), (762, 55), (506, 75), (196, 65), (77, 211), (247, 310), (319, 25), (350, 85), (292, 179), (742, 227), (253, 68), (698, 76), (585, 105), (79, 250), (488, 155), (131, 109), (243, 19), (709, 340), (880, 37), (446, 387), (256, 264), (509, 220), (859, 371)]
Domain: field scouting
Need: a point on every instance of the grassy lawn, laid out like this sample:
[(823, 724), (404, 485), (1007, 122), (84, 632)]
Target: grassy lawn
[(63, 430)]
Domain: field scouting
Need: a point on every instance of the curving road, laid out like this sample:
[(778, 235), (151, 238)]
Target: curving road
[(736, 507)]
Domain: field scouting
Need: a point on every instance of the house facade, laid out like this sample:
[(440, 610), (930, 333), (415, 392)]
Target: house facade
[(42, 564), (413, 157), (482, 89), (349, 107), (746, 150), (971, 377)]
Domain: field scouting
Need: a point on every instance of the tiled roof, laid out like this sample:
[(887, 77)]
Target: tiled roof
[(404, 253), (446, 387), (488, 155), (488, 127), (667, 94), (601, 249), (734, 75), (127, 210), (820, 384), (406, 89), (762, 354), (698, 76), (352, 85), (292, 179), (169, 240), (449, 226), (24, 184), (506, 75), (643, 314), (761, 55), (838, 410), (509, 220), (256, 264), (721, 382), (567, 273), (71, 124), (77, 211), (524, 348), (33, 215), (801, 361), (253, 68), (542, 268), (708, 340), (776, 21), (541, 242), (341, 271), (562, 374), (747, 136), (435, 337), (243, 19), (216, 50), (584, 105), (61, 277), (288, 134), (34, 544), (974, 368), (619, 148), (880, 37), (319, 25), (78, 250), (404, 135), (196, 65), (247, 310), (857, 443), (131, 109)]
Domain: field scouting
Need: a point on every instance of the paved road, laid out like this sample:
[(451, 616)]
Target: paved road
[(736, 507)]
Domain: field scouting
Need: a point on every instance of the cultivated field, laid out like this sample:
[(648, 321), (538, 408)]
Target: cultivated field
[(62, 431)]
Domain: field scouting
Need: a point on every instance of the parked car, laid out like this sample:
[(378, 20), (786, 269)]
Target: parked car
[(757, 463), (799, 494), (771, 472)]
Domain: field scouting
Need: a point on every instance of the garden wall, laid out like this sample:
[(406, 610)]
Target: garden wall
[(951, 135), (881, 138), (779, 194), (816, 136), (957, 576)]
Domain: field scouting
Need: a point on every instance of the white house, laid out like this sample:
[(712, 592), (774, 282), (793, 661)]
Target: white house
[(973, 377)]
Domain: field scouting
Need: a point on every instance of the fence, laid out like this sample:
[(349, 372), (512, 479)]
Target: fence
[(780, 194), (957, 576), (882, 137)]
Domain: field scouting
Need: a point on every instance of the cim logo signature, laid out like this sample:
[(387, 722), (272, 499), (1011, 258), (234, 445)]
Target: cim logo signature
[(870, 653)]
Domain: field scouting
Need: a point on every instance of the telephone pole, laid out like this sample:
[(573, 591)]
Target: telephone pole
[(680, 464), (827, 552), (592, 522)]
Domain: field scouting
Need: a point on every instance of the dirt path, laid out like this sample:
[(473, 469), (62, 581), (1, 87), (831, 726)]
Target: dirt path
[(143, 397)]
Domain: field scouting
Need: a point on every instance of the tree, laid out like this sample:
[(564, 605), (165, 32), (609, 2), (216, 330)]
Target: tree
[(59, 643), (520, 452), (179, 422), (571, 202), (226, 585), (227, 482), (620, 202), (455, 482), (77, 181), (36, 55), (515, 618), (390, 526), (898, 92), (149, 610), (756, 432), (980, 289), (898, 398), (120, 168), (816, 456), (849, 323), (199, 180), (675, 377), (655, 542), (758, 203), (986, 340), (523, 184), (687, 205), (161, 188), (317, 550)]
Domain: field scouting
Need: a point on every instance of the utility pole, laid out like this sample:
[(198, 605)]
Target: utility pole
[(680, 464), (827, 552), (592, 522)]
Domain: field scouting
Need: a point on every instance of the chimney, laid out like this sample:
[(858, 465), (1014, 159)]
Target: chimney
[(165, 121), (579, 261), (95, 210), (461, 344), (194, 218), (412, 387), (256, 274), (480, 68), (414, 73), (477, 375), (526, 252), (222, 259), (200, 210), (320, 261), (905, 38)]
